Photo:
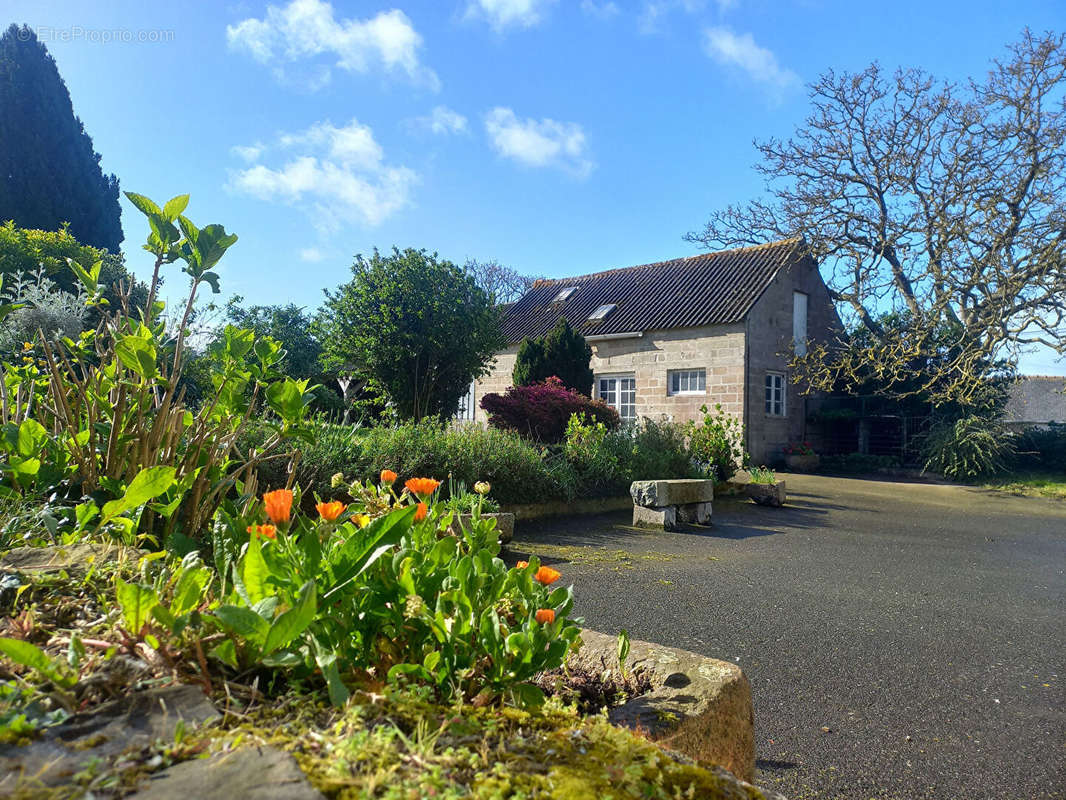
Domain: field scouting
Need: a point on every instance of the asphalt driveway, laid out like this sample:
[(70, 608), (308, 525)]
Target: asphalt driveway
[(903, 641)]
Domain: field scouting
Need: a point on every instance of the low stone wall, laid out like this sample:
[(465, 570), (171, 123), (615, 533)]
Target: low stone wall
[(564, 508)]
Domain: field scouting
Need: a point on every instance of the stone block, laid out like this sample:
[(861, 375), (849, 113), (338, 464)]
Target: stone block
[(700, 707), (249, 773), (767, 494), (657, 494), (695, 513), (659, 518)]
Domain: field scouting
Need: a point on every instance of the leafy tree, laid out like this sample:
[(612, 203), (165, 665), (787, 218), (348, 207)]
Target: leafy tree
[(943, 201), (49, 172), (416, 327), (288, 324), (563, 352), (502, 283)]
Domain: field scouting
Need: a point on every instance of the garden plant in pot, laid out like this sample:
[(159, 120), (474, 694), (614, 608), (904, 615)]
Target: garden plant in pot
[(800, 457), (764, 488)]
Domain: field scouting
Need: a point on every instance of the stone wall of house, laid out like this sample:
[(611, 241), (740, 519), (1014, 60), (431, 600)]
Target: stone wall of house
[(769, 326), (719, 349)]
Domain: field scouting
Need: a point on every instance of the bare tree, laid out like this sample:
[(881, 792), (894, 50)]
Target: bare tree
[(503, 284), (940, 202)]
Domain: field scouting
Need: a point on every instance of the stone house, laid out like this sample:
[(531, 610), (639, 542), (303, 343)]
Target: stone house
[(1035, 401), (670, 337)]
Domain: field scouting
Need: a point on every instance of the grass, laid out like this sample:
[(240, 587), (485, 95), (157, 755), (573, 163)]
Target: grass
[(1031, 484)]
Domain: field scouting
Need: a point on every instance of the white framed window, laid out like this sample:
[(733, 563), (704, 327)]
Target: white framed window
[(775, 394), (467, 409), (688, 381), (620, 393), (602, 312), (799, 323), (564, 294)]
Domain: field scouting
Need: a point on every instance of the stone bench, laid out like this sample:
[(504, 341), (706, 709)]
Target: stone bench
[(667, 505)]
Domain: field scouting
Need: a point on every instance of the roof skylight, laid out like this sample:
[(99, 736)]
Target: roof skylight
[(602, 312), (564, 294)]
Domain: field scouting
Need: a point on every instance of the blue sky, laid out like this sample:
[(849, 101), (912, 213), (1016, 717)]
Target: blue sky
[(556, 136)]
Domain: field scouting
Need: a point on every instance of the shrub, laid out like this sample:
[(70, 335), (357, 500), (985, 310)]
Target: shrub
[(969, 448), (1042, 448), (542, 411), (717, 443)]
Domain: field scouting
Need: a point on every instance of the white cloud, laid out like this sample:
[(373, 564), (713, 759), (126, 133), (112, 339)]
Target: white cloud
[(542, 143), (602, 10), (443, 120), (311, 255), (248, 152), (655, 10), (741, 51), (336, 174), (307, 28), (503, 14)]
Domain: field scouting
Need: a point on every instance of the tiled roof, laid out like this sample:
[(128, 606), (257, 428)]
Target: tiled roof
[(1037, 399), (708, 289)]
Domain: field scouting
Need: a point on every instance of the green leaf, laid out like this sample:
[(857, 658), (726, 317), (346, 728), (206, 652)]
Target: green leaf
[(254, 571), (29, 655), (189, 589), (174, 206), (294, 621), (136, 602), (89, 278), (143, 204), (244, 623), (138, 354), (286, 398), (211, 278), (338, 692), (31, 438), (148, 484), (526, 695), (226, 652)]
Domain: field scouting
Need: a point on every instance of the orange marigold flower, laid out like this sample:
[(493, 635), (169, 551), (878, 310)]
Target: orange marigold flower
[(521, 565), (278, 505), (545, 616), (423, 487), (330, 511), (269, 531), (421, 512), (547, 575), (388, 476)]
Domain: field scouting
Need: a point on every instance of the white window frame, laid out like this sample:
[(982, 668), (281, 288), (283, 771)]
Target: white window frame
[(775, 396), (611, 395), (676, 378), (799, 322), (467, 407)]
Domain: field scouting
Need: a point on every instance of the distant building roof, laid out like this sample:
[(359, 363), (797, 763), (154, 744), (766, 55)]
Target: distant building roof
[(1037, 399), (708, 289)]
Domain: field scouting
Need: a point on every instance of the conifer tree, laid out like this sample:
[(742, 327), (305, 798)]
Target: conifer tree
[(563, 352), (49, 171)]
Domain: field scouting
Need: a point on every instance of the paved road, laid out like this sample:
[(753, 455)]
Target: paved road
[(924, 626)]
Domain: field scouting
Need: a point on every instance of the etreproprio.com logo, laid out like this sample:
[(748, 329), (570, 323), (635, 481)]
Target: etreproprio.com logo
[(77, 33)]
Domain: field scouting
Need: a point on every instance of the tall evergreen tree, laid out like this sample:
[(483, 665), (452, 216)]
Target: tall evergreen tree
[(563, 352), (49, 172)]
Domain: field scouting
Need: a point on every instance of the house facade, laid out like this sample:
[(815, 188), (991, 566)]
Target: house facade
[(670, 337)]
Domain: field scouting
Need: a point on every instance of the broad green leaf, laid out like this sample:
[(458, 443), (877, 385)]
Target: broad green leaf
[(89, 278), (175, 206), (29, 655), (148, 484), (189, 589), (138, 354), (338, 692), (363, 547), (143, 204), (294, 621), (211, 278), (254, 571), (226, 652), (136, 602), (286, 398), (31, 438), (237, 342), (244, 623)]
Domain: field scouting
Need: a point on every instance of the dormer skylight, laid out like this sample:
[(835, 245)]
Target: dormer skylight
[(564, 294), (602, 312)]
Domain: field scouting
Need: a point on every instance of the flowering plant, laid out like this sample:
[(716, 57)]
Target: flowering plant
[(798, 449)]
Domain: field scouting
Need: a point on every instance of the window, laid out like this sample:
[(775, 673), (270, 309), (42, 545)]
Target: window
[(775, 394), (602, 312), (466, 404), (620, 393), (688, 381), (564, 294), (799, 322)]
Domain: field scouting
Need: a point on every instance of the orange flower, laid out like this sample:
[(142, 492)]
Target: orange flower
[(388, 476), (269, 531), (546, 616), (423, 487), (421, 512), (547, 575), (330, 511), (521, 565), (278, 505)]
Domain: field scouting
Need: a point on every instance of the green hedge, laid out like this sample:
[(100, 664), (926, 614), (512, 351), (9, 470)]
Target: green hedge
[(520, 471)]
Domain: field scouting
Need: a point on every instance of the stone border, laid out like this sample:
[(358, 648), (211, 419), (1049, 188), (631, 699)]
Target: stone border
[(698, 706), (565, 508)]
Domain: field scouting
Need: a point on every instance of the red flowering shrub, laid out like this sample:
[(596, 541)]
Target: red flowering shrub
[(542, 410)]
